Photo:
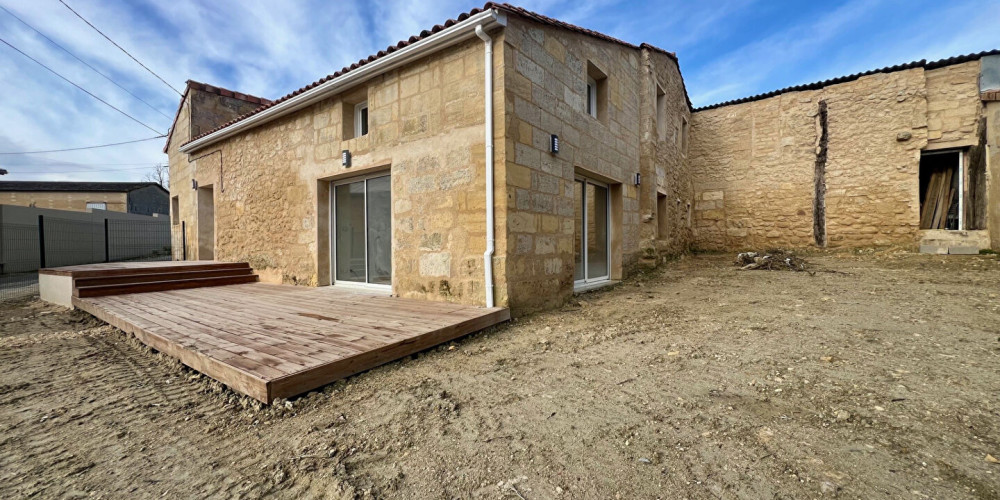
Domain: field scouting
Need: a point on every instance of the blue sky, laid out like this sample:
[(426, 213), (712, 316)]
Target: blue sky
[(727, 49)]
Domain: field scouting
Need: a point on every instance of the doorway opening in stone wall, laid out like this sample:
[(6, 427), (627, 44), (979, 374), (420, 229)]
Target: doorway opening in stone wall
[(662, 224), (942, 190), (361, 230), (206, 223), (592, 246)]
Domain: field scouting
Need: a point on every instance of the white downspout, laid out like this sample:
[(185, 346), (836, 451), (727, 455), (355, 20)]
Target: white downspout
[(490, 223)]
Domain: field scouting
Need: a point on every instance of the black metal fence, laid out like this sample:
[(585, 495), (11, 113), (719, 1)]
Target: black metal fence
[(57, 242), (19, 261)]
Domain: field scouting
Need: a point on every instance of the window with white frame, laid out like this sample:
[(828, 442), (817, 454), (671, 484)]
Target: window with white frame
[(596, 92), (592, 254), (98, 205), (361, 119), (362, 230)]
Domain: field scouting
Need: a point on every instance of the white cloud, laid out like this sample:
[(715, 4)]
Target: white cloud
[(271, 48), (853, 38)]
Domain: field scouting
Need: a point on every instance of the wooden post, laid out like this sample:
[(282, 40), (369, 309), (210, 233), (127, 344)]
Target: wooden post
[(41, 242), (107, 245)]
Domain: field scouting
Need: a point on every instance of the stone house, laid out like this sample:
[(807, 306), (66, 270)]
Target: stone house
[(142, 198), (508, 158)]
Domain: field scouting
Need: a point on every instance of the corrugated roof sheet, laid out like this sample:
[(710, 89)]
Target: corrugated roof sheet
[(109, 187), (923, 63)]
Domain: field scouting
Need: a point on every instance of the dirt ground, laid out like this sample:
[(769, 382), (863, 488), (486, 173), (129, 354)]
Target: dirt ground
[(880, 379)]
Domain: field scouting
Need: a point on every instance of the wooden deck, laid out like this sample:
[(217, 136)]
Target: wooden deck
[(276, 341), (115, 268)]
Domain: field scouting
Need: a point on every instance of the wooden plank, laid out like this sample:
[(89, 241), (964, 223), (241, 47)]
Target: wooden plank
[(299, 341), (941, 211), (930, 201), (159, 286), (384, 323), (298, 383), (222, 370), (173, 275), (947, 208), (203, 328), (409, 311), (201, 336), (271, 341), (311, 328), (125, 268)]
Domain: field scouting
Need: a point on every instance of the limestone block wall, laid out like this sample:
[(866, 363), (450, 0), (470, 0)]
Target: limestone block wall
[(200, 111), (992, 112), (953, 105), (209, 110), (546, 71), (63, 200), (752, 170), (664, 160), (272, 183), (753, 165)]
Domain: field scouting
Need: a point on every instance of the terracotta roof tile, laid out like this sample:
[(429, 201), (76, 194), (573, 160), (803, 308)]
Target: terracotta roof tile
[(191, 84)]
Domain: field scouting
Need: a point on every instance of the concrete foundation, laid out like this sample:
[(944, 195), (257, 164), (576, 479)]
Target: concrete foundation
[(56, 289)]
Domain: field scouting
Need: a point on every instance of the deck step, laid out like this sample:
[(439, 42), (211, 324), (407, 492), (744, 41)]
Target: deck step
[(158, 286), (126, 279), (99, 272)]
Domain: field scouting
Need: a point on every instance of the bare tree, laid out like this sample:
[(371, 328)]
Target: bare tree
[(159, 175)]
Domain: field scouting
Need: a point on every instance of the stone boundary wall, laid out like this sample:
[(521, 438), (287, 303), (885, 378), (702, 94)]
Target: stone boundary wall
[(752, 164)]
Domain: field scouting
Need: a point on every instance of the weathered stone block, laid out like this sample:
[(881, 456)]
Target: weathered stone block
[(435, 264)]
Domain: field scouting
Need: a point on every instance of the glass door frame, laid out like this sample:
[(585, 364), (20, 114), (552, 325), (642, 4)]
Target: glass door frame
[(584, 252), (333, 230)]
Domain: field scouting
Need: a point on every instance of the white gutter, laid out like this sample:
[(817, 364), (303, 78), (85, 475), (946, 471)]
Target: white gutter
[(440, 40), (488, 127)]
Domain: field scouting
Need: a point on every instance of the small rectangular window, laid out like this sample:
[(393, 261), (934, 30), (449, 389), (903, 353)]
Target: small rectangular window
[(661, 113), (684, 135), (597, 93), (98, 205), (591, 97), (361, 119), (175, 210)]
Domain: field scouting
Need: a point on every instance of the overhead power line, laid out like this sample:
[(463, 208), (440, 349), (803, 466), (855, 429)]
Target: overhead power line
[(108, 78), (84, 147), (64, 49), (120, 48), (77, 164), (5, 42), (147, 167)]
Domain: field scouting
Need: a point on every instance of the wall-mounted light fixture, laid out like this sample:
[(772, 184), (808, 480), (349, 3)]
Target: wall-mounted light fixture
[(554, 144), (194, 184), (637, 178), (345, 158)]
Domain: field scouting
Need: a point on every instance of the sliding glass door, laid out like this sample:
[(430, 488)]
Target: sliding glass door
[(362, 231), (593, 242)]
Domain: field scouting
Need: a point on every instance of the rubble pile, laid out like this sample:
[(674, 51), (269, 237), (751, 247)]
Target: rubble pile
[(776, 260)]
